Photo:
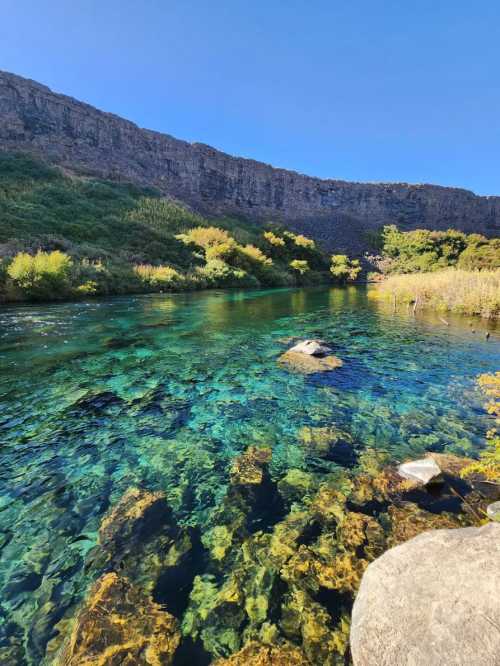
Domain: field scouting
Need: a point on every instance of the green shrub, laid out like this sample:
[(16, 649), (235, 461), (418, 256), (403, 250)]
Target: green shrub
[(422, 251), (344, 269)]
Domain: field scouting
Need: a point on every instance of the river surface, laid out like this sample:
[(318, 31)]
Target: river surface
[(164, 391)]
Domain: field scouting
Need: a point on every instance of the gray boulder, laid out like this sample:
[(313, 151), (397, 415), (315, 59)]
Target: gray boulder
[(434, 600), (424, 471)]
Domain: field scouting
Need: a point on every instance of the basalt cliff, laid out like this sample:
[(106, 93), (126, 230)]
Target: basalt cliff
[(84, 140)]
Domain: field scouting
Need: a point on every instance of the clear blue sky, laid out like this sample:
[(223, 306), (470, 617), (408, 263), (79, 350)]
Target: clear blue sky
[(360, 90)]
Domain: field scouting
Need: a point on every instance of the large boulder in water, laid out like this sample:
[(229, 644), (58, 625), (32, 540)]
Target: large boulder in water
[(309, 357), (432, 600)]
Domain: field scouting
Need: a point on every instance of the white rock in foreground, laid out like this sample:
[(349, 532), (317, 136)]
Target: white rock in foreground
[(311, 347), (493, 512), (430, 601), (424, 470)]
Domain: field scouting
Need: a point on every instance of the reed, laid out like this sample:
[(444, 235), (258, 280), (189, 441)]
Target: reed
[(451, 290)]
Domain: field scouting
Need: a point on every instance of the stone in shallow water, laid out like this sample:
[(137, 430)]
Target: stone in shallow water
[(432, 600), (119, 625), (329, 442), (493, 511), (425, 471), (311, 348), (308, 365), (255, 654), (249, 467), (136, 514)]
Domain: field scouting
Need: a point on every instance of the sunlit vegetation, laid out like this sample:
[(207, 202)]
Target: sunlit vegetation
[(425, 251), (40, 275), (489, 460), (273, 239), (344, 269), (299, 265), (68, 237), (451, 290), (158, 275)]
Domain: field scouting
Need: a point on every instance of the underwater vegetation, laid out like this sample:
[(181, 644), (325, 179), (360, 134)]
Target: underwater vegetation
[(277, 565)]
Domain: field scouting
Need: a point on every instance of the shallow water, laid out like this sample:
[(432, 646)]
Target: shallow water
[(164, 391)]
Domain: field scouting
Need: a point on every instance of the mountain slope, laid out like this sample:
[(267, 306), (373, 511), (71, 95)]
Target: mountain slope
[(341, 214)]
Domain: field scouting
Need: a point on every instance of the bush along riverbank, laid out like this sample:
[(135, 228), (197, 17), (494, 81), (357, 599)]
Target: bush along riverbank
[(271, 577), (67, 237), (446, 271)]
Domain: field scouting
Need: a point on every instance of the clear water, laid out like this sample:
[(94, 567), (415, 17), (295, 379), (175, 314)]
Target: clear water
[(164, 391)]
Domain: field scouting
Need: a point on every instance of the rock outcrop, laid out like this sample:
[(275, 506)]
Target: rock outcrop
[(432, 600), (86, 140)]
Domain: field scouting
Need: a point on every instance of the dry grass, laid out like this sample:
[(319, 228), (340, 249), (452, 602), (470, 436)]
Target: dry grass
[(452, 290)]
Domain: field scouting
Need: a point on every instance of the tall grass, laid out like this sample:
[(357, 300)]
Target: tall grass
[(451, 290)]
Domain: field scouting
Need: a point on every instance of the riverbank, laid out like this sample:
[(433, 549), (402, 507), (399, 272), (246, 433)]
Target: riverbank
[(473, 293)]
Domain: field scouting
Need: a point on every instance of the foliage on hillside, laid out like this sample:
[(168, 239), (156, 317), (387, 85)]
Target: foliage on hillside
[(424, 251), (64, 237)]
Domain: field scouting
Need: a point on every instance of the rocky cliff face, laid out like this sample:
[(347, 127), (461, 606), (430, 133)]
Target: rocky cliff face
[(84, 139)]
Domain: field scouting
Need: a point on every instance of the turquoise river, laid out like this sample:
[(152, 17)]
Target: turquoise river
[(163, 392)]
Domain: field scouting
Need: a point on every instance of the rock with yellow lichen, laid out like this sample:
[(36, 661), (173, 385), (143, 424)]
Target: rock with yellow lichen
[(307, 622), (136, 514), (215, 614), (328, 505), (329, 442), (248, 469), (258, 654), (139, 538), (359, 533), (119, 625), (408, 520), (136, 529), (296, 484), (307, 364)]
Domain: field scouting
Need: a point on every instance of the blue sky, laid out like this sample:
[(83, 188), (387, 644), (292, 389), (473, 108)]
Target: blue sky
[(368, 91)]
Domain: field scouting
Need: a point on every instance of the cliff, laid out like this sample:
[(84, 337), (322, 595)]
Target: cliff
[(85, 140)]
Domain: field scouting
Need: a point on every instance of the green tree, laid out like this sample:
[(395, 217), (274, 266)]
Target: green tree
[(344, 269)]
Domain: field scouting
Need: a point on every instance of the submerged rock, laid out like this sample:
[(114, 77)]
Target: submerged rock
[(408, 521), (137, 513), (308, 364), (119, 625), (330, 443), (311, 347), (256, 654), (248, 468), (424, 471), (431, 600)]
